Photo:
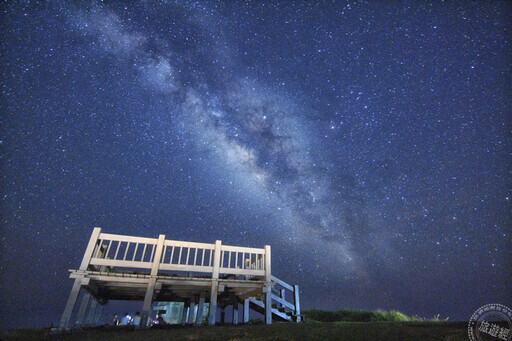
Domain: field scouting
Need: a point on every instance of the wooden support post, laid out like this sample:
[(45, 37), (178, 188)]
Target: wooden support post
[(90, 248), (192, 312), (268, 305), (185, 312), (83, 309), (68, 310), (246, 310), (296, 302), (268, 279), (223, 315), (268, 265), (235, 311), (92, 311), (213, 303), (282, 295), (97, 314), (148, 298), (216, 259), (200, 309)]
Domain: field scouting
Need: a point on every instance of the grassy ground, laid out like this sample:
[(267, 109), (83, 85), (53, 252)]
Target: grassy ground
[(449, 331)]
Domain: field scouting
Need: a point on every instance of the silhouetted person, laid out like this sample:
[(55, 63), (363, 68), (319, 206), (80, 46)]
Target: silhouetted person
[(136, 319), (126, 319)]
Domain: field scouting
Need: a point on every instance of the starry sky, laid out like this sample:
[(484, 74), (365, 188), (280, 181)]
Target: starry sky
[(367, 142)]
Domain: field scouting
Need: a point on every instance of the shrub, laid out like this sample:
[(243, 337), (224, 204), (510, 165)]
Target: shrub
[(355, 315)]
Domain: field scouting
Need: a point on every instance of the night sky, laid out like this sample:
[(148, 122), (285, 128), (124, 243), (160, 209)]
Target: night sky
[(367, 142)]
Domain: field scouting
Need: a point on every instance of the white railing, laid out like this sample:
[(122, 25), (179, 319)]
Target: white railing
[(119, 251)]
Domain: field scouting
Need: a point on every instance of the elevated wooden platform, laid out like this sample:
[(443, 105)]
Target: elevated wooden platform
[(117, 267)]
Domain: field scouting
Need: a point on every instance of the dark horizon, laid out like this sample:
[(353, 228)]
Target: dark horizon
[(368, 143)]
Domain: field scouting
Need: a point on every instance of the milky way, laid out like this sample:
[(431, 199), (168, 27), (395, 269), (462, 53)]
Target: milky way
[(368, 144)]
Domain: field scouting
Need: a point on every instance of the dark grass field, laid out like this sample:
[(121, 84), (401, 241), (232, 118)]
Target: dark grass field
[(392, 331)]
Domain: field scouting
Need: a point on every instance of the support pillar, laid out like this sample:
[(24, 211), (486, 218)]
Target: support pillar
[(296, 302), (83, 309), (215, 282), (66, 315), (184, 315), (223, 315), (192, 312), (235, 311), (268, 305), (92, 312), (148, 298), (97, 314), (213, 303), (200, 309), (246, 310)]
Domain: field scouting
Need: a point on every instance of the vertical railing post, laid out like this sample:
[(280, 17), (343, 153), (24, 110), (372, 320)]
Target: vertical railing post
[(296, 302), (268, 263), (148, 299), (215, 283), (90, 248), (268, 280)]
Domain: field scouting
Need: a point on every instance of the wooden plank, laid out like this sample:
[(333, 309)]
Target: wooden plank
[(183, 267), (282, 283), (283, 302), (189, 244), (242, 249), (132, 239), (248, 272), (121, 263)]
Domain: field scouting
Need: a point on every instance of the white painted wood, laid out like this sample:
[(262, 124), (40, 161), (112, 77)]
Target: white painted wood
[(121, 263), (268, 306), (296, 302), (148, 300), (158, 255), (123, 238), (68, 310), (91, 312), (242, 249), (200, 308), (282, 283), (83, 308), (183, 267), (213, 303), (235, 311), (216, 262), (246, 310), (191, 312), (283, 302), (193, 245), (97, 314), (248, 272), (90, 248), (268, 262)]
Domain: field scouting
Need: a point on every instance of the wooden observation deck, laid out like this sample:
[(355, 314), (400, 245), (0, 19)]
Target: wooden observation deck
[(117, 267)]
